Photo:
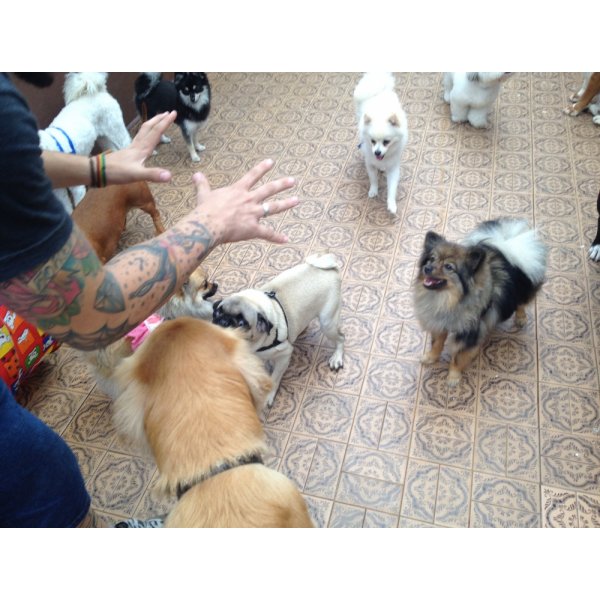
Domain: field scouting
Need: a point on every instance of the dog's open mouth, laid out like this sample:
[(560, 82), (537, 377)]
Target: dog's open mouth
[(433, 283)]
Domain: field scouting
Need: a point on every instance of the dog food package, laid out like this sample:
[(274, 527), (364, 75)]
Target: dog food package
[(22, 347)]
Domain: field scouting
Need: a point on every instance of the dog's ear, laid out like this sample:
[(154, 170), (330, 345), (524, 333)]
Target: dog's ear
[(432, 239), (394, 121), (216, 310), (178, 78), (473, 77), (475, 256), (263, 325), (366, 119)]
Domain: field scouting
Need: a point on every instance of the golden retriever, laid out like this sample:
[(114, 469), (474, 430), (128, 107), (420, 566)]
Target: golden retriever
[(191, 393)]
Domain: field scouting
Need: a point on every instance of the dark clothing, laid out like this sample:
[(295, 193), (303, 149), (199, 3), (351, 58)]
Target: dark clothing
[(40, 481)]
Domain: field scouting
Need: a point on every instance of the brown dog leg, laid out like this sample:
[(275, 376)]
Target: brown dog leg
[(520, 316), (437, 345), (460, 361)]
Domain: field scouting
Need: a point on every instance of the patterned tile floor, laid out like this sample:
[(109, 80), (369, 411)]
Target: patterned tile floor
[(383, 443)]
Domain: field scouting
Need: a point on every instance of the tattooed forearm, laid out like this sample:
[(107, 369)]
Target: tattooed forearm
[(80, 302), (198, 239)]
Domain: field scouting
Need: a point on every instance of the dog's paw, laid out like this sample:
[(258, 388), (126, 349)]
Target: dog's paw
[(594, 252), (336, 362), (270, 400), (391, 206), (570, 110), (373, 191), (195, 158), (164, 139), (200, 147), (596, 120), (429, 358), (454, 378)]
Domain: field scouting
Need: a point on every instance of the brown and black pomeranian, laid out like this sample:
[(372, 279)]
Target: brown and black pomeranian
[(466, 289)]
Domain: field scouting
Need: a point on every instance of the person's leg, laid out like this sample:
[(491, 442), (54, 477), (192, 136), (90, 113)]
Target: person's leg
[(41, 484)]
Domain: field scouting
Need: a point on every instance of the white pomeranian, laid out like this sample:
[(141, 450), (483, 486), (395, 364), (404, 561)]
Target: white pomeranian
[(90, 115), (471, 96), (383, 131)]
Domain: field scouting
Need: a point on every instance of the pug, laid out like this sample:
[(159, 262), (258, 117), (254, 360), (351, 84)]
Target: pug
[(273, 316)]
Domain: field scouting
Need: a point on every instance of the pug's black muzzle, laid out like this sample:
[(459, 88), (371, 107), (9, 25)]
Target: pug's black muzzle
[(224, 319)]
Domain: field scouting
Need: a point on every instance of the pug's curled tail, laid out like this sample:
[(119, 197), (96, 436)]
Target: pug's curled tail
[(323, 261)]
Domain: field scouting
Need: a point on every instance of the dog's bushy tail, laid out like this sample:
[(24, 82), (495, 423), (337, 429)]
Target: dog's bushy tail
[(78, 85), (519, 244), (372, 84), (145, 83)]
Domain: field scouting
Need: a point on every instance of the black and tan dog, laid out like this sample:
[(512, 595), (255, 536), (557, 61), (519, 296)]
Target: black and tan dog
[(465, 290)]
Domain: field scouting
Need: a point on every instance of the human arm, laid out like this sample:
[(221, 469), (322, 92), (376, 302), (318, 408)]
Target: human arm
[(122, 166), (87, 305)]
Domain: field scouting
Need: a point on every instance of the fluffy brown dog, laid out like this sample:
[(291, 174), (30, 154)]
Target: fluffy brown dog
[(191, 394), (465, 290), (102, 214)]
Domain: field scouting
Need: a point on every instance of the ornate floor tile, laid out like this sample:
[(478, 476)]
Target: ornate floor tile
[(92, 424), (570, 410), (436, 494), (375, 464), (507, 399), (435, 393), (285, 406), (297, 458), (368, 422), (559, 508), (565, 325), (571, 462), (319, 510), (507, 450), (326, 415), (53, 406), (369, 493), (393, 380), (119, 481), (573, 365), (343, 516), (440, 436), (379, 520), (348, 379), (395, 433), (486, 515), (325, 469)]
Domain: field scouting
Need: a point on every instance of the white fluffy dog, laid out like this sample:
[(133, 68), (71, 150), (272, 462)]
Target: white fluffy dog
[(471, 96), (90, 115), (383, 131)]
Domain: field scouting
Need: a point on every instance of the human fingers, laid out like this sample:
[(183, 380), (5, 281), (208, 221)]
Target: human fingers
[(255, 173), (151, 130), (272, 188), (274, 207)]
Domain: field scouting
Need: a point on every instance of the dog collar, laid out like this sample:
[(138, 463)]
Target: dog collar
[(276, 341), (182, 488)]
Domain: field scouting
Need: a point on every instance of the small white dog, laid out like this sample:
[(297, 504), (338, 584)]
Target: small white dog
[(471, 96), (383, 131), (90, 115)]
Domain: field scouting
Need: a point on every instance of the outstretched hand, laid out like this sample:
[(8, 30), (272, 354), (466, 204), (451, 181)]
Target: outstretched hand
[(127, 165), (235, 211)]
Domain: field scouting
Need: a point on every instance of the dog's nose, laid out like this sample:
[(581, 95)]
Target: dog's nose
[(428, 269), (377, 152)]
